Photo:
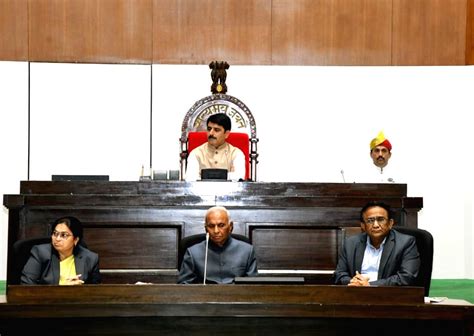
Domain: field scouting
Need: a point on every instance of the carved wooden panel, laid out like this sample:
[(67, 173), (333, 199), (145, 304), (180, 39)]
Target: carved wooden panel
[(201, 31), (429, 32), (13, 30), (98, 31), (330, 32), (280, 246), (146, 247)]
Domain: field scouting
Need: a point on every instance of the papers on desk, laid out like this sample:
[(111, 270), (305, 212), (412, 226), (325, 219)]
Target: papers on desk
[(143, 283), (435, 299)]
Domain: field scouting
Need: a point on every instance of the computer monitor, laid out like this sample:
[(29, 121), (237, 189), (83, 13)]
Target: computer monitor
[(214, 174), (79, 177)]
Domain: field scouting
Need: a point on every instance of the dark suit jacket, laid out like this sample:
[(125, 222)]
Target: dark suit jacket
[(42, 268), (235, 259), (399, 263)]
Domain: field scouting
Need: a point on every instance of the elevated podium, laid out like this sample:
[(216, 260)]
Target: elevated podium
[(136, 227)]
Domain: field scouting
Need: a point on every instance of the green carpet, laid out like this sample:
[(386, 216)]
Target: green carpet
[(453, 288)]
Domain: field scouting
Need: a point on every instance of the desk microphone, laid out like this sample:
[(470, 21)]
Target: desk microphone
[(343, 178), (205, 258)]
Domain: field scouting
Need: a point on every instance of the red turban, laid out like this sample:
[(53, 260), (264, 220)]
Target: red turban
[(380, 140)]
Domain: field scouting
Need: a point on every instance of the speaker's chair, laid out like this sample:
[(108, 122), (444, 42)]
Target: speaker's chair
[(239, 140), (243, 133)]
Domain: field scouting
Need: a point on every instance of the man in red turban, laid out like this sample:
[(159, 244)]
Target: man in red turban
[(380, 152)]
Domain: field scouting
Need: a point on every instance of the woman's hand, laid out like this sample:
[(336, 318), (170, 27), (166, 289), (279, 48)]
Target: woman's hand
[(74, 280)]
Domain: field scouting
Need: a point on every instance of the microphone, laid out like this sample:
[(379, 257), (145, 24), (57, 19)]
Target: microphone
[(343, 178), (205, 258)]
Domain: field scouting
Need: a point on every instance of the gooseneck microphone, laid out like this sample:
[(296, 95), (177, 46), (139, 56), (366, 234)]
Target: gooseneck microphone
[(205, 258), (343, 178)]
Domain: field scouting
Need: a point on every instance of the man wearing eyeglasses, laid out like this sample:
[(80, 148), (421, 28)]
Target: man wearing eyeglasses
[(378, 256)]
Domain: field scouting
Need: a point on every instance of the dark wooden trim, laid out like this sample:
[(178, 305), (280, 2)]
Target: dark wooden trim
[(470, 32), (252, 309)]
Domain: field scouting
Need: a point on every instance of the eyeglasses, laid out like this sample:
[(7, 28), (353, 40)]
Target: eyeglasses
[(381, 220), (61, 235)]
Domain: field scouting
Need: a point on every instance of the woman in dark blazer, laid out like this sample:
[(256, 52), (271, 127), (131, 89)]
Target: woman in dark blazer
[(64, 261)]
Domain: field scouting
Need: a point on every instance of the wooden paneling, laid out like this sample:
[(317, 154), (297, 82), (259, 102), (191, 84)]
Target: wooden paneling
[(331, 32), (186, 294), (145, 247), (13, 30), (276, 245), (429, 32), (98, 31), (276, 310), (201, 31), (253, 32), (470, 33)]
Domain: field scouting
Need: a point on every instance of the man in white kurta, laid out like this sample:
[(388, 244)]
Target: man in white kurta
[(380, 152), (216, 152), (377, 170)]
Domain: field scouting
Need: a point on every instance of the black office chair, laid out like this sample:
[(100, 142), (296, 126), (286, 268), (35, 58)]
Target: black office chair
[(21, 254), (425, 245), (197, 238)]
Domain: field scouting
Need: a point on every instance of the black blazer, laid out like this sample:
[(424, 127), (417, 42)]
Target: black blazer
[(42, 268), (399, 263)]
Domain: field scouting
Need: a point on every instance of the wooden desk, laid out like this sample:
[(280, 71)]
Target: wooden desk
[(136, 226), (233, 309)]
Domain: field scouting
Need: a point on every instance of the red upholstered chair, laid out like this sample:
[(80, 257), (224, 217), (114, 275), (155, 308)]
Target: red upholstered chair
[(239, 140)]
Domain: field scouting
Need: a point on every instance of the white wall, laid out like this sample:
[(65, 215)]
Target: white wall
[(13, 140), (89, 119), (311, 121)]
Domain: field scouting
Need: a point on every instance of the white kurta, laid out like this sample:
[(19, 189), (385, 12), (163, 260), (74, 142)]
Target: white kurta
[(370, 173), (374, 174), (207, 156)]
